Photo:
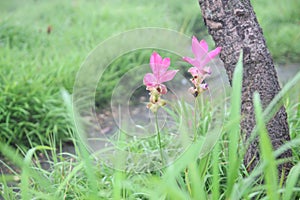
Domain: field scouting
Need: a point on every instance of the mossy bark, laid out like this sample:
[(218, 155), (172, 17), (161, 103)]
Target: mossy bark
[(234, 27)]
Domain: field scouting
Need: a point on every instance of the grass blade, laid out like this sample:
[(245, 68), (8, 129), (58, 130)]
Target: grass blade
[(266, 151), (25, 176), (197, 182), (216, 175), (291, 181), (86, 158), (234, 131)]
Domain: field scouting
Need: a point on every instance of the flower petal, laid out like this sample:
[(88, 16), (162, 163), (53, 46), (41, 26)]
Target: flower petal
[(163, 89), (150, 80), (165, 65), (211, 55), (194, 71), (204, 45), (155, 61), (192, 61), (204, 86), (214, 52), (169, 75), (199, 48)]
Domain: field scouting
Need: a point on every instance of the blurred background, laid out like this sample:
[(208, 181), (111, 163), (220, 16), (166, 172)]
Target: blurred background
[(43, 43)]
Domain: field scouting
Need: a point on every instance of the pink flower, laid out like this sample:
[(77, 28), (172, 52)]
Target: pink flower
[(160, 73), (202, 57)]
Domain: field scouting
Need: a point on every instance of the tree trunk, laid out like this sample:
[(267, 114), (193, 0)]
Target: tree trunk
[(233, 26)]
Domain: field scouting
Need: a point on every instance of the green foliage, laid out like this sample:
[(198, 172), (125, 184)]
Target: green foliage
[(234, 131), (16, 37), (266, 150), (35, 65), (31, 110), (193, 175), (280, 22), (30, 114)]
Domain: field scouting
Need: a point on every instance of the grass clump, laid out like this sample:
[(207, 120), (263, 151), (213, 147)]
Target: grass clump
[(34, 67), (29, 116), (35, 62), (205, 170)]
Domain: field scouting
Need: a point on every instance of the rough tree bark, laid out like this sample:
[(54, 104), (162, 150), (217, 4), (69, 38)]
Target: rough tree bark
[(233, 26)]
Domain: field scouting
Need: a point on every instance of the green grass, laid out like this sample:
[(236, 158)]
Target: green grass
[(234, 131), (36, 66), (280, 22), (210, 175)]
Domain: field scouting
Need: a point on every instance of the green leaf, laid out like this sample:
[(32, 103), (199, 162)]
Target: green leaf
[(266, 151), (234, 130), (291, 182)]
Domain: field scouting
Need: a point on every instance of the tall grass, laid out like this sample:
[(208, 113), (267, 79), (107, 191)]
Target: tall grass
[(234, 130), (35, 63), (193, 175)]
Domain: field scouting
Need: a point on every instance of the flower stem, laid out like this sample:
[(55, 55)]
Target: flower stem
[(158, 138), (195, 119)]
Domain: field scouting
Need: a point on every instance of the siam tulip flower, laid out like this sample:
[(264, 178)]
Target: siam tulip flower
[(160, 73), (199, 70), (202, 57), (154, 81)]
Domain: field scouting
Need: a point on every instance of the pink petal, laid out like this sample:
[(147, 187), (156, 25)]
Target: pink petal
[(204, 86), (199, 48), (194, 71), (165, 65), (192, 61), (169, 75), (150, 80), (163, 89), (214, 52), (204, 45), (211, 55), (155, 61)]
